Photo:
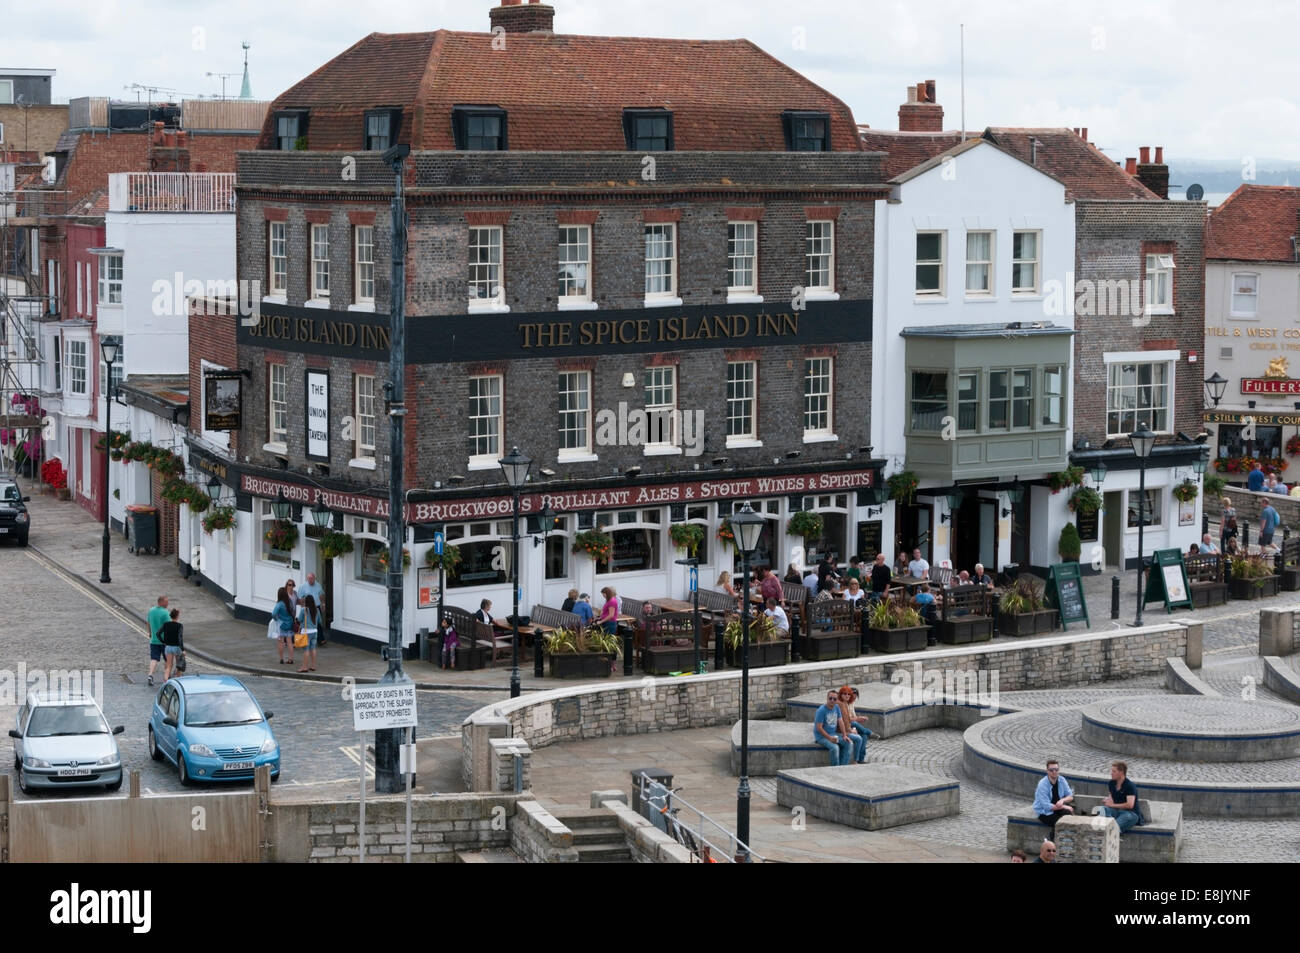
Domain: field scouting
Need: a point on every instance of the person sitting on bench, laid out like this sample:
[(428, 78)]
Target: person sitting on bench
[(830, 733), (1052, 799), (1122, 802)]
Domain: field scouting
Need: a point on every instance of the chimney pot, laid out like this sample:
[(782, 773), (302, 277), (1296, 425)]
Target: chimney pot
[(1084, 134), (1145, 153), (911, 94), (1160, 155), (930, 95), (1131, 165), (920, 93), (514, 16)]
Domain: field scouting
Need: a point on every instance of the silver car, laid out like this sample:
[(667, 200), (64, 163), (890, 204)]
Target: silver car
[(62, 741)]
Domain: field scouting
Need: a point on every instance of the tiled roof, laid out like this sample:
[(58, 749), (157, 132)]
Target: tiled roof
[(1255, 223), (560, 92), (1084, 169)]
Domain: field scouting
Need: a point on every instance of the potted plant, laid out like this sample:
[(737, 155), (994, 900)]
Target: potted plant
[(335, 544), (136, 450), (806, 524), (448, 562), (221, 517), (1069, 546), (1070, 476), (1293, 445), (1185, 492), (726, 535), (587, 652), (902, 486), (595, 543), (687, 536), (406, 559), (1253, 577), (765, 649), (894, 626), (1023, 611), (1084, 500), (1214, 485), (282, 536)]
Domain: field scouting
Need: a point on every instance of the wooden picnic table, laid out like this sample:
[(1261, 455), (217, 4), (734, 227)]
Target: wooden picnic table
[(675, 605)]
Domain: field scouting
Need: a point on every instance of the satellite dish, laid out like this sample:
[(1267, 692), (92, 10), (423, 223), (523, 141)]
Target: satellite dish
[(1195, 193)]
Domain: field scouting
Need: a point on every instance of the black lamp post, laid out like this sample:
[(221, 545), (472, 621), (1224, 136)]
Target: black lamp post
[(1214, 386), (1143, 440), (515, 466), (747, 525), (110, 347), (548, 518), (213, 486)]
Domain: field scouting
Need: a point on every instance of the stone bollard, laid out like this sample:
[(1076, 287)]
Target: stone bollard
[(1087, 840), (1195, 643), (477, 764), (511, 765)]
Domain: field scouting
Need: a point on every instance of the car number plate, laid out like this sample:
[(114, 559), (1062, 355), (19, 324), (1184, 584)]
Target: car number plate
[(74, 772), (238, 766)]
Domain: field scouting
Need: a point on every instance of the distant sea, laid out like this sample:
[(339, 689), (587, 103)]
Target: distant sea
[(1213, 198)]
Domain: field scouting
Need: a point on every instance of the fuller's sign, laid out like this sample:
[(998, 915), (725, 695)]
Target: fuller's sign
[(1269, 385)]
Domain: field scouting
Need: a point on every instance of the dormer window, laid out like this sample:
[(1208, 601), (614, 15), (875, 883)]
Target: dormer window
[(381, 128), (290, 130), (807, 131), (648, 130), (479, 128)]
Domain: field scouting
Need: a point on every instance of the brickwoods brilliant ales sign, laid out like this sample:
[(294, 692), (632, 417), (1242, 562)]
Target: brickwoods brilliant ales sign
[(455, 338)]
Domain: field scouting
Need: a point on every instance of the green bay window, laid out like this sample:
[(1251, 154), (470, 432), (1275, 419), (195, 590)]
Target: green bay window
[(929, 400)]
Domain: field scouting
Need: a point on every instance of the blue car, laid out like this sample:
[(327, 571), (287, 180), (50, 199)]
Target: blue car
[(212, 729)]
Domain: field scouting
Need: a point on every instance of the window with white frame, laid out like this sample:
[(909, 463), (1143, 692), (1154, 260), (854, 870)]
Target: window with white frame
[(485, 266), (638, 540), (999, 400), (929, 401), (277, 403), (929, 264), (661, 260), (660, 404), (575, 413), (363, 244), (1245, 295), (77, 367), (817, 396), (557, 547), (1160, 284), (979, 263), (834, 538), (277, 270), (364, 388), (265, 521), (1053, 394), (109, 380), (1022, 397), (1138, 393), (485, 423), (742, 257), (320, 261), (485, 554), (1154, 509), (574, 264), (819, 255), (371, 542), (1025, 256), (6, 92), (742, 395), (110, 279)]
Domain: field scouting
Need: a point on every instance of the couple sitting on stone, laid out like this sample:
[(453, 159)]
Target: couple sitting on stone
[(840, 730), (1053, 799)]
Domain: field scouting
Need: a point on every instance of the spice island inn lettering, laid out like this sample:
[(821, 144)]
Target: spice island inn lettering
[(345, 334), (656, 330)]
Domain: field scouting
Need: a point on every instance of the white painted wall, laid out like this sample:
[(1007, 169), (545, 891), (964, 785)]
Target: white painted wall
[(1274, 331)]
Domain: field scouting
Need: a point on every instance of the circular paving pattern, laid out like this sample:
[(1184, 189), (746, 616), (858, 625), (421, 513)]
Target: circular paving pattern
[(1192, 728)]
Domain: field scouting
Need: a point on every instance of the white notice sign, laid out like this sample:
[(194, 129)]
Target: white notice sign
[(318, 415), (383, 706)]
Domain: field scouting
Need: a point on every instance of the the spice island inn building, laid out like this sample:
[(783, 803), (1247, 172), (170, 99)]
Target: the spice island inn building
[(603, 231)]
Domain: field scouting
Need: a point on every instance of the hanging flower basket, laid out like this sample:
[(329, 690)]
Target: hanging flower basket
[(726, 535), (282, 536), (1070, 476), (1186, 491), (406, 559), (1293, 445), (1084, 500), (596, 544), (136, 451), (448, 562), (221, 517), (806, 524), (687, 536), (334, 544), (902, 486)]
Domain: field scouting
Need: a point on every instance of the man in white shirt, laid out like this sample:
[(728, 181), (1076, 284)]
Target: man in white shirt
[(810, 581), (1207, 544), (918, 568), (484, 613), (779, 619)]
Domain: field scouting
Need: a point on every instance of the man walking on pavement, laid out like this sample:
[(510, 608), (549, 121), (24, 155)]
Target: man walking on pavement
[(314, 589), (158, 615)]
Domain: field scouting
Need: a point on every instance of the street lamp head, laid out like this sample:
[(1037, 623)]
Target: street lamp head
[(1214, 386), (110, 347), (1015, 492), (515, 466), (1098, 473), (214, 489), (1143, 440), (1202, 462), (747, 525), (280, 508), (322, 515)]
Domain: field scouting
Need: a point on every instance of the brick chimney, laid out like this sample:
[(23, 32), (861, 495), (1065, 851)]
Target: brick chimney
[(1154, 175), (921, 112), (169, 150), (515, 16)]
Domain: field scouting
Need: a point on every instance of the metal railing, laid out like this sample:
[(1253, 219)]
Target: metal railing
[(707, 840), (172, 192)]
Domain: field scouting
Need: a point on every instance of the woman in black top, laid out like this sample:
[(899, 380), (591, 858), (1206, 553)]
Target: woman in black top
[(570, 601), (173, 645)]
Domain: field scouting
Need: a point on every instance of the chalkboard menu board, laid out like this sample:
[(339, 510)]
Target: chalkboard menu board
[(869, 540), (1087, 525), (1065, 592), (1167, 580)]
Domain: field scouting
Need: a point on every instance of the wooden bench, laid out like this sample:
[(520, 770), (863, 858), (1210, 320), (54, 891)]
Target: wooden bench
[(966, 616), (834, 631), (1288, 563), (1205, 580), (796, 597), (1156, 840), (669, 639), (470, 655)]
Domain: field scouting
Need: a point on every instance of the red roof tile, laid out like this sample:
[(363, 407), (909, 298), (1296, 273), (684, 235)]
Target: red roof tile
[(907, 150), (1255, 223), (560, 92)]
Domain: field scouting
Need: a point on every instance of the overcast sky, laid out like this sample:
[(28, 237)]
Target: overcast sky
[(1203, 79)]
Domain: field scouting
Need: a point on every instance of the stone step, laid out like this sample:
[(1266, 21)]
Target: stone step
[(597, 817), (499, 855), (602, 854), (612, 834)]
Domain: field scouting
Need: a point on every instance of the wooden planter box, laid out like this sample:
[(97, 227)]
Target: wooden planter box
[(898, 640), (761, 654), (1028, 623), (823, 646), (1208, 594), (1291, 579), (580, 664), (63, 493), (470, 658), (964, 630), (662, 659), (1254, 588)]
